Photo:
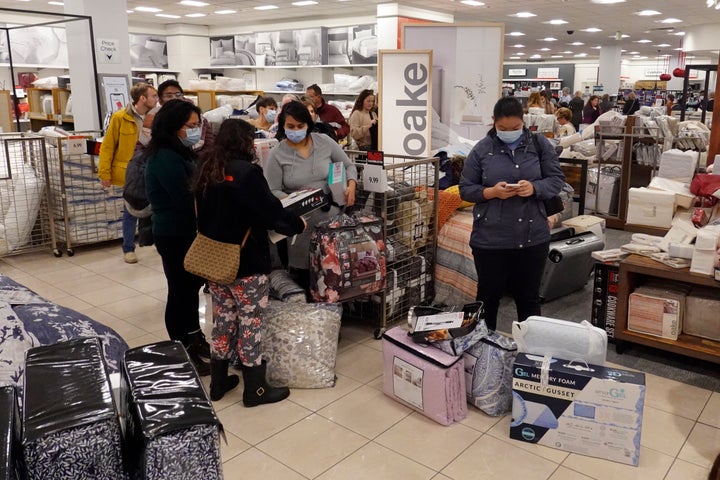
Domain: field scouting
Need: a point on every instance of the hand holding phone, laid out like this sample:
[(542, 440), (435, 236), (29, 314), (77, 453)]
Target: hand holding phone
[(512, 185)]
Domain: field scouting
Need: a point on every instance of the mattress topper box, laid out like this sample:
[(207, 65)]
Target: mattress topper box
[(701, 318), (654, 208), (678, 165), (586, 409), (656, 311)]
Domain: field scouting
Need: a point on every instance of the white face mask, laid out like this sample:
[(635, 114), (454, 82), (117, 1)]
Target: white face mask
[(509, 136)]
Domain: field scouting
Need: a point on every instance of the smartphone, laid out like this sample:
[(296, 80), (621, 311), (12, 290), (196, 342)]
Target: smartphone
[(512, 185)]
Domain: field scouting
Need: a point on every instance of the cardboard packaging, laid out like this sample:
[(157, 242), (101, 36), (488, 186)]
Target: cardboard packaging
[(678, 165), (337, 182), (590, 410), (587, 223), (656, 311), (701, 317), (300, 203), (604, 302), (683, 195), (705, 255), (654, 208)]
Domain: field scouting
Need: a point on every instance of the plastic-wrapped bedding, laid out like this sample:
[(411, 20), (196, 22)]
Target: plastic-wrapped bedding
[(70, 426), (300, 343), (284, 288), (171, 429), (9, 422)]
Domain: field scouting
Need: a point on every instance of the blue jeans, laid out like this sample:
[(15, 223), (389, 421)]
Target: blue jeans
[(129, 226)]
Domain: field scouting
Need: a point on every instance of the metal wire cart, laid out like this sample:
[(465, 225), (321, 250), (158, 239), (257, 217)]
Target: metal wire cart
[(84, 211), (409, 209), (25, 223)]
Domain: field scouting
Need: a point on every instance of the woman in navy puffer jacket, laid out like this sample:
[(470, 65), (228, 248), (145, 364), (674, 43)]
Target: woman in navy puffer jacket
[(508, 179)]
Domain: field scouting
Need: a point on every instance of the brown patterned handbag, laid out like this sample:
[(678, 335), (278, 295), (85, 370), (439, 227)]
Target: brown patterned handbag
[(212, 260)]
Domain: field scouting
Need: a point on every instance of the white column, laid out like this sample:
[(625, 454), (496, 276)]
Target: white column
[(388, 20), (188, 47), (109, 22), (609, 70)]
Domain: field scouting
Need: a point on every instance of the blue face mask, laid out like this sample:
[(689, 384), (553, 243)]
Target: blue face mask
[(509, 136), (193, 136), (270, 116), (296, 136)]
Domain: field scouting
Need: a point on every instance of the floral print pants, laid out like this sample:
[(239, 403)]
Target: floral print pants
[(238, 310)]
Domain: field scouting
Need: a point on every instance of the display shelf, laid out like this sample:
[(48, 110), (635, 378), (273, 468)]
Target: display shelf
[(633, 271), (6, 112), (153, 70), (207, 99), (285, 67), (40, 116)]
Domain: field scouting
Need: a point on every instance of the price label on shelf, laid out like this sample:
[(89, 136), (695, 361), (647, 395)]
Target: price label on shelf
[(76, 145)]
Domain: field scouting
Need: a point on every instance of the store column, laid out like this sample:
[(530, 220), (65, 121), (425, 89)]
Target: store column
[(392, 16), (714, 147), (609, 70), (188, 47), (112, 54)]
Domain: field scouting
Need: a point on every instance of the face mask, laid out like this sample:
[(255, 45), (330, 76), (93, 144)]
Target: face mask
[(270, 116), (509, 136), (296, 136), (193, 136)]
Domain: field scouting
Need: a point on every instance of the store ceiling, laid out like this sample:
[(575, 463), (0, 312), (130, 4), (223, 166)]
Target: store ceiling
[(579, 15)]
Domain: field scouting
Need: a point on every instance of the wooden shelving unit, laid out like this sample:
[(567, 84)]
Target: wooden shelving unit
[(633, 271), (40, 117), (6, 108)]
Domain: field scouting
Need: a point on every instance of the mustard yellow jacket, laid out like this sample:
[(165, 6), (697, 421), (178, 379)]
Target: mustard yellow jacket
[(118, 146)]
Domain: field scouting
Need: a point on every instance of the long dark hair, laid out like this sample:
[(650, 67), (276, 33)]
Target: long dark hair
[(361, 99), (234, 140), (299, 112), (168, 121)]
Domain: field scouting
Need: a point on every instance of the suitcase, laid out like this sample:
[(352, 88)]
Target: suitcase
[(423, 378), (9, 424), (569, 264)]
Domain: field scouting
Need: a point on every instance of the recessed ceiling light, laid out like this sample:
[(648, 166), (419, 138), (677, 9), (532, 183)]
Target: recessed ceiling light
[(56, 3), (679, 34), (520, 54), (166, 15), (129, 11), (515, 34), (557, 21), (634, 53), (305, 3), (537, 55), (567, 52), (266, 7), (663, 45), (644, 40), (514, 58), (518, 45), (607, 2), (690, 57), (523, 15), (647, 13), (472, 3), (225, 12), (592, 30), (622, 35), (671, 20), (576, 43), (581, 55), (148, 9), (678, 49), (545, 49), (193, 3), (556, 56), (195, 15), (549, 39)]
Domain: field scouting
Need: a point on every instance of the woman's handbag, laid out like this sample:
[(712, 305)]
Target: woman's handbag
[(212, 260)]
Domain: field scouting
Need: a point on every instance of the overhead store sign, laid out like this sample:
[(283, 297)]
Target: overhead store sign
[(548, 73), (405, 85)]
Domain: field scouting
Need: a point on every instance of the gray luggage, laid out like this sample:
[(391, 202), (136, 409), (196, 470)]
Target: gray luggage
[(569, 264)]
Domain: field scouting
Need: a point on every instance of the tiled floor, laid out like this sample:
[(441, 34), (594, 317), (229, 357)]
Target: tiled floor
[(353, 431)]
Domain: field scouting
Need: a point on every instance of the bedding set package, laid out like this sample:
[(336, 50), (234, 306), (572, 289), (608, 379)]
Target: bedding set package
[(70, 425), (171, 428)]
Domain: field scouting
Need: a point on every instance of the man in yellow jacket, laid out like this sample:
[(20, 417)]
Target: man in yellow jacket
[(117, 149)]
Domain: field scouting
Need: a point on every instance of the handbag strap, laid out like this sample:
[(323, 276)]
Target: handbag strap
[(247, 234)]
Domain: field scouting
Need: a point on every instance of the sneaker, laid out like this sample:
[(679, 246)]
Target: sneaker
[(130, 257)]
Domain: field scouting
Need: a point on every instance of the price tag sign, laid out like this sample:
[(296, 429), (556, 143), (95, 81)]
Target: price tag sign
[(76, 145), (374, 176)]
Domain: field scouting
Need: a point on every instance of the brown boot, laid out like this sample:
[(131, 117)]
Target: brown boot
[(257, 391)]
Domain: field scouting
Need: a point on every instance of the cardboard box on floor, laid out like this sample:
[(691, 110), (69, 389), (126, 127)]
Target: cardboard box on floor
[(590, 410)]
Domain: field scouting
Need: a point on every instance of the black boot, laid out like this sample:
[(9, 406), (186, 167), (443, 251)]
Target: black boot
[(257, 391), (220, 381), (202, 367), (198, 345)]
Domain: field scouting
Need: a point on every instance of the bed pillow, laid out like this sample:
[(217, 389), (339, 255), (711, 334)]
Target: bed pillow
[(363, 33), (337, 47), (455, 190)]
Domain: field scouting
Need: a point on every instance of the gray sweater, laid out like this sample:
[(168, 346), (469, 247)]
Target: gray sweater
[(286, 172)]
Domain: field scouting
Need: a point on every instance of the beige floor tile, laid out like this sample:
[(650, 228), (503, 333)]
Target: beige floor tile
[(563, 473), (160, 294), (664, 431), (77, 280), (702, 445), (373, 343), (675, 397), (234, 447), (480, 421), (112, 261), (230, 398), (501, 431), (10, 271), (253, 464), (440, 476), (711, 414), (330, 444), (126, 330), (360, 363), (376, 383), (653, 466), (95, 253), (365, 411), (682, 470), (374, 462), (133, 307), (130, 273), (74, 303), (150, 320), (38, 263), (113, 292), (427, 442), (491, 458), (316, 398), (42, 288), (256, 424), (147, 282), (143, 340)]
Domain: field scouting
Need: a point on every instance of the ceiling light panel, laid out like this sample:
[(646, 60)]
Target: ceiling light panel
[(671, 20), (523, 15), (266, 7), (592, 30), (148, 9), (305, 3), (472, 3), (195, 15), (557, 21), (193, 3), (225, 12), (647, 13), (166, 15), (515, 34)]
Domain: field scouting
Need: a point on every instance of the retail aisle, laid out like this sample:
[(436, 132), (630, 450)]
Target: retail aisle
[(353, 431)]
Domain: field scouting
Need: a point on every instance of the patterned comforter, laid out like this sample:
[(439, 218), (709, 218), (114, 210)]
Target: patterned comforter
[(455, 275)]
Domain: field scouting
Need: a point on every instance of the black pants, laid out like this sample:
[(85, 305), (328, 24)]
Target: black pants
[(181, 310), (516, 271)]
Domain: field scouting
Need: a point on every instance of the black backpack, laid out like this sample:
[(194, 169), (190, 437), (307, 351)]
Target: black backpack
[(134, 190)]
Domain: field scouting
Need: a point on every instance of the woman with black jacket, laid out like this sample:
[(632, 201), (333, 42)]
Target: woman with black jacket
[(233, 198)]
